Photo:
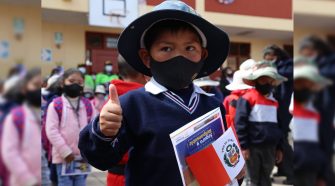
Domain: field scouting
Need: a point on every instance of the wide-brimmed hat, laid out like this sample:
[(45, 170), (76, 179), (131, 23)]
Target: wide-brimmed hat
[(214, 39), (306, 69), (248, 65), (206, 81), (238, 83), (264, 68)]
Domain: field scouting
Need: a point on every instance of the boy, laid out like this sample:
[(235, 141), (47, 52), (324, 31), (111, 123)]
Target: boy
[(174, 46), (309, 170), (257, 126)]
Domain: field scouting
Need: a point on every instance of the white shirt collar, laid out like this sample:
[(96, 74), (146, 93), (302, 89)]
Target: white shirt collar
[(155, 88)]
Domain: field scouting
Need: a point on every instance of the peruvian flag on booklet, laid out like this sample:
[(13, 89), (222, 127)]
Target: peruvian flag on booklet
[(207, 155)]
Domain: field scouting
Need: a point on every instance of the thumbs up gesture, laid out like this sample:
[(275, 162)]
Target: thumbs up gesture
[(111, 114)]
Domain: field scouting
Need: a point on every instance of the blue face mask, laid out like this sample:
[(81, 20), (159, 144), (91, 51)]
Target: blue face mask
[(175, 73)]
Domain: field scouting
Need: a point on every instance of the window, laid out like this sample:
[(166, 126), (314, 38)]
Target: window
[(238, 53)]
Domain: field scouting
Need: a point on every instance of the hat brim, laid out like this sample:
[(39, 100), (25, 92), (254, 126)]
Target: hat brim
[(316, 78), (206, 83), (233, 87), (217, 40), (279, 78)]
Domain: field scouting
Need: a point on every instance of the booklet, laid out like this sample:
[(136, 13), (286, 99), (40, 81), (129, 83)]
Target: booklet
[(193, 137), (191, 140), (76, 167)]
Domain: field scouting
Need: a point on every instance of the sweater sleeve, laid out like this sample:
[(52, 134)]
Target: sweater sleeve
[(243, 110), (100, 151)]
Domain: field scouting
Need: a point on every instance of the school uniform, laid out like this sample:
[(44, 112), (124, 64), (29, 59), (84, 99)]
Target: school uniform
[(229, 104), (150, 114), (258, 130), (324, 103), (309, 159), (283, 94)]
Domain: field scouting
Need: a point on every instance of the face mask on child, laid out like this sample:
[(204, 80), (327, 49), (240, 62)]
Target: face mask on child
[(264, 89), (82, 70), (73, 90), (109, 68), (303, 95), (175, 73), (34, 98)]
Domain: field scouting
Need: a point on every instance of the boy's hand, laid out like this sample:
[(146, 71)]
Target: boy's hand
[(246, 154), (242, 173), (111, 114), (69, 158), (279, 156)]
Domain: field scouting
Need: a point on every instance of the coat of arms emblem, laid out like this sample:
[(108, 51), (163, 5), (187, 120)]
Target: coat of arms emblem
[(231, 154)]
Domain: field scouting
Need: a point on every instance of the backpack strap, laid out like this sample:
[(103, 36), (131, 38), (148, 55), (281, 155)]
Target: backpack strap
[(88, 107), (58, 105), (18, 119)]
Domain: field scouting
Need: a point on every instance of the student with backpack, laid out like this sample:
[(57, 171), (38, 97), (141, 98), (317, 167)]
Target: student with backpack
[(66, 116), (21, 139)]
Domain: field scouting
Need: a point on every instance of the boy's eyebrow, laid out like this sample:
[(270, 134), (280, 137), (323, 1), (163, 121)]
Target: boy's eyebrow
[(165, 42)]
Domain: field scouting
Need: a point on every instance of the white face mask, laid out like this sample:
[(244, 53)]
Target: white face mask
[(82, 70), (109, 68)]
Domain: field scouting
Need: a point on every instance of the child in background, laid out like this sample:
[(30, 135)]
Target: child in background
[(174, 45), (107, 75), (238, 87), (209, 86), (66, 116), (99, 98), (21, 140), (309, 158), (257, 126)]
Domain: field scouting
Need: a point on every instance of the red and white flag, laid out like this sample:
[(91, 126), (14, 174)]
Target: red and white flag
[(219, 163)]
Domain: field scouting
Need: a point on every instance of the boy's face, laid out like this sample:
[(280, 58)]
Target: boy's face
[(308, 52), (169, 45), (266, 80), (305, 84), (270, 57)]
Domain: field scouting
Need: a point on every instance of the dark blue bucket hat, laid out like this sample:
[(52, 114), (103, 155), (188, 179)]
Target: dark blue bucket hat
[(214, 39)]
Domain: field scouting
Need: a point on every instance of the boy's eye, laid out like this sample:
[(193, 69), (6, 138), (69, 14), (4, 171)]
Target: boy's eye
[(190, 48), (166, 49)]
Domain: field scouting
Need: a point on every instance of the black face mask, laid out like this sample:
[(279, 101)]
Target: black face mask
[(34, 98), (73, 90), (175, 73), (264, 89), (303, 95)]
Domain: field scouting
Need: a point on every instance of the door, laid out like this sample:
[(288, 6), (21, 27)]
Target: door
[(100, 56)]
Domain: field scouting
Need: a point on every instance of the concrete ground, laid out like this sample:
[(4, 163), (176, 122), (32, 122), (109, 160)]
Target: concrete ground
[(98, 178)]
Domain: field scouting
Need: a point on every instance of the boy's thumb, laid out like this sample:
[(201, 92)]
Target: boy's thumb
[(113, 96)]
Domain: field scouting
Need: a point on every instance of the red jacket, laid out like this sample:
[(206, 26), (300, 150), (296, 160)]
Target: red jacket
[(123, 87), (229, 104)]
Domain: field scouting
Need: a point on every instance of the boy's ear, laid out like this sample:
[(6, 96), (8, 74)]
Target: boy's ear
[(204, 53), (145, 56)]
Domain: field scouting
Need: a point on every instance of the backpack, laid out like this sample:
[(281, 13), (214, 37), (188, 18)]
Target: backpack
[(58, 105), (18, 119)]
